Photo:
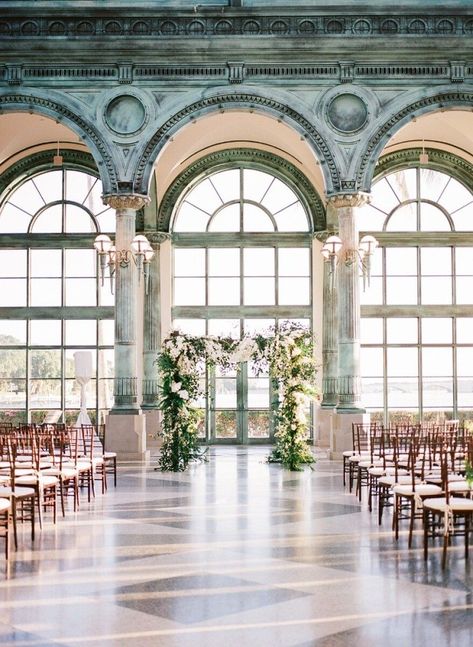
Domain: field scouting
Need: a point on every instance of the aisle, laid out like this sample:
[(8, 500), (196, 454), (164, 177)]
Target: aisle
[(234, 553)]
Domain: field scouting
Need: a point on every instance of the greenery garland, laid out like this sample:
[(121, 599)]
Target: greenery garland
[(287, 354)]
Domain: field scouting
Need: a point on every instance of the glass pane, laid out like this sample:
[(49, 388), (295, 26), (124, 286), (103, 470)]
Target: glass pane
[(45, 363), (225, 424), (106, 332), (370, 219), (464, 330), (45, 332), (27, 198), (255, 219), (402, 362), (205, 197), (189, 218), (401, 261), (224, 292), (12, 332), (81, 332), (436, 331), (462, 219), (80, 262), (224, 262), (455, 196), (48, 221), (73, 392), (401, 330), (45, 262), (189, 292), (106, 220), (433, 219), (278, 196), (436, 290), (258, 393), (404, 184), (465, 395), (257, 326), (70, 367), (13, 220), (190, 326), (465, 362), (106, 363), (294, 291), (372, 294), (436, 361), (105, 394), (292, 218), (437, 392), (432, 183), (45, 394), (464, 289), (106, 298), (45, 292), (227, 184), (93, 200), (227, 219), (224, 328), (403, 219), (81, 292), (259, 291), (401, 290), (12, 363), (294, 261), (301, 322), (189, 262), (78, 220), (464, 260), (255, 184), (78, 185), (372, 392), (403, 394), (258, 261), (258, 424), (12, 292), (383, 197), (436, 261), (12, 262), (49, 185), (12, 397), (371, 331), (225, 393), (371, 360)]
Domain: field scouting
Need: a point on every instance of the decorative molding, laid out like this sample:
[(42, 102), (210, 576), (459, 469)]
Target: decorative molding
[(207, 22), (125, 73), (457, 71), (347, 71), (342, 200), (323, 235), (236, 72), (418, 107), (125, 386), (150, 388), (250, 156), (156, 237), (349, 388), (241, 100), (119, 201)]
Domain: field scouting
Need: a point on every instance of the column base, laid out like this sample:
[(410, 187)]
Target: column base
[(126, 435), (341, 437), (324, 421), (153, 426)]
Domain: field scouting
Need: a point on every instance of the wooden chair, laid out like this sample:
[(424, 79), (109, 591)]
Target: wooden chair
[(5, 516), (110, 458)]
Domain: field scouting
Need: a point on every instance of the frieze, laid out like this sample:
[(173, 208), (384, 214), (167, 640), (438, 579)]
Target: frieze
[(208, 23)]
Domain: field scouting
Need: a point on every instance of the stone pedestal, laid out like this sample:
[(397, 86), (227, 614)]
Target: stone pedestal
[(341, 436), (324, 425), (126, 435)]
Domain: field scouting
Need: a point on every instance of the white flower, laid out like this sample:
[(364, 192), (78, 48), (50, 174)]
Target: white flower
[(296, 352), (183, 394), (175, 387)]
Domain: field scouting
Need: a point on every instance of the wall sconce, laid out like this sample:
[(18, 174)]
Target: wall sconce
[(331, 250), (141, 252)]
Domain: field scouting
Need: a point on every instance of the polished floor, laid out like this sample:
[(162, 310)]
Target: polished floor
[(233, 553)]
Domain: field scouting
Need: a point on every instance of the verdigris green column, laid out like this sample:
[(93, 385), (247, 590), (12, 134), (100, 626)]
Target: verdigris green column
[(349, 379), (152, 325)]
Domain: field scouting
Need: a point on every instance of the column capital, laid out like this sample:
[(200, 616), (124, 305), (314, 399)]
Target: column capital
[(340, 200), (323, 235), (156, 237), (119, 201)]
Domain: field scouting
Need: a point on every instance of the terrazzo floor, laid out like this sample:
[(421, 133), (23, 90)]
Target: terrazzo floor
[(232, 553)]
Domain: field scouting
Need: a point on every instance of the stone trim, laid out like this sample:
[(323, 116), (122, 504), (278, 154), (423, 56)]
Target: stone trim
[(125, 386), (342, 200), (262, 159), (119, 201)]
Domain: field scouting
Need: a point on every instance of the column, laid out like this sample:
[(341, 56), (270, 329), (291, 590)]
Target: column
[(126, 429), (347, 281)]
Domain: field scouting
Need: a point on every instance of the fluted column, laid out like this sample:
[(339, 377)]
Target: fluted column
[(152, 325), (349, 380), (126, 284)]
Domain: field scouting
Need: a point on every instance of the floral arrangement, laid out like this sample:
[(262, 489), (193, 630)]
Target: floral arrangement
[(288, 355)]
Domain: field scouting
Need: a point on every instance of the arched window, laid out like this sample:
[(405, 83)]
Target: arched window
[(242, 263), (417, 326), (51, 302)]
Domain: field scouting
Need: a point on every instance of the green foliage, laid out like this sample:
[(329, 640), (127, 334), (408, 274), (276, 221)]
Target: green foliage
[(469, 472)]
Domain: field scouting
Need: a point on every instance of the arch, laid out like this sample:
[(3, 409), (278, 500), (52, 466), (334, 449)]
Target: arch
[(243, 100), (262, 160), (418, 103), (61, 108)]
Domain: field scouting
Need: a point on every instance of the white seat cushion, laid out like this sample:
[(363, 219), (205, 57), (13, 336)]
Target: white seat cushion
[(66, 472), (33, 479), (391, 480), (423, 489), (114, 454), (456, 504), (4, 505)]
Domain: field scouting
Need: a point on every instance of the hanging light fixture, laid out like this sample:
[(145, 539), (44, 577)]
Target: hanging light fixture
[(367, 246), (423, 157), (57, 159), (141, 252)]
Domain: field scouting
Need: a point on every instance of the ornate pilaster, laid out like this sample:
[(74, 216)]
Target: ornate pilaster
[(329, 333), (151, 325), (125, 382), (349, 381)]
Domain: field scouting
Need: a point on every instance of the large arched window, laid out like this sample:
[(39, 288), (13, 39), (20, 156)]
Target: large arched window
[(51, 302), (242, 263), (417, 326)]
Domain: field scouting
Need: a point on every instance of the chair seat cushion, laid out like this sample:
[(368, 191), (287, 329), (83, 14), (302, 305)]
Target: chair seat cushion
[(366, 464), (33, 479), (391, 480), (66, 472), (456, 504), (4, 505), (114, 454), (459, 486), (423, 489), (19, 493)]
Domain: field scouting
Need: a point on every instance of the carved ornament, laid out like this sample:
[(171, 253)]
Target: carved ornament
[(120, 201), (342, 200)]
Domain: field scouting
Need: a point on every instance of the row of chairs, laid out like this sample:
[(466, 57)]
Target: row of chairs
[(40, 464), (419, 471)]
